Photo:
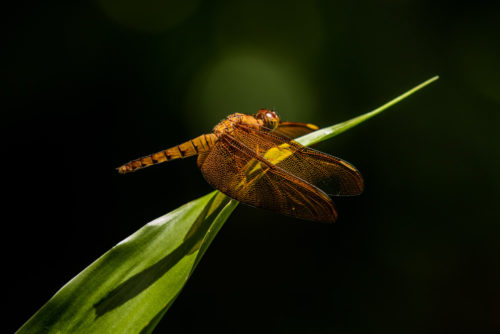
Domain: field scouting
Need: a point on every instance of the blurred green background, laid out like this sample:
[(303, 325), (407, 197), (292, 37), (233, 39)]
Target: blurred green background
[(88, 86)]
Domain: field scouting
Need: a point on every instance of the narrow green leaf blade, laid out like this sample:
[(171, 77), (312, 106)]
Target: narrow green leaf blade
[(329, 132)]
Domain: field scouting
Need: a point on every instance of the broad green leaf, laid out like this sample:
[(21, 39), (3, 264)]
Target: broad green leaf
[(131, 287), (133, 284)]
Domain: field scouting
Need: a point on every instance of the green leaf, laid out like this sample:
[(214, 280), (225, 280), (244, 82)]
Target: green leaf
[(130, 287), (329, 132)]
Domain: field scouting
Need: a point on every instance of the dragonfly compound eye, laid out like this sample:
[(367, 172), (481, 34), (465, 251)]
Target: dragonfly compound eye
[(270, 118)]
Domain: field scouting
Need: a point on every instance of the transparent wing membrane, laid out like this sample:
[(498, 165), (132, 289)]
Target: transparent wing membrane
[(239, 172)]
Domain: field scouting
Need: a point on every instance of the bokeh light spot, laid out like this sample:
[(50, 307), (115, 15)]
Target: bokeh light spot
[(245, 81), (153, 16), (294, 28)]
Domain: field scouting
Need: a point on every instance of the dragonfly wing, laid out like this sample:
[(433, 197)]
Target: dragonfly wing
[(295, 129), (240, 173), (331, 174)]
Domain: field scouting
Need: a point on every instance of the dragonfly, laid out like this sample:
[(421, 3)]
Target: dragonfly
[(254, 159)]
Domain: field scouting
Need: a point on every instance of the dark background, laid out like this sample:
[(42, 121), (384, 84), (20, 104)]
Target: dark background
[(87, 86)]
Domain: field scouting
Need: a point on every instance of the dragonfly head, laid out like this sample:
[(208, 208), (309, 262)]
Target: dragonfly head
[(269, 117)]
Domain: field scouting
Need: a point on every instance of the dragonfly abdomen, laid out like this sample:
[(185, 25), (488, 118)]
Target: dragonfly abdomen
[(192, 147)]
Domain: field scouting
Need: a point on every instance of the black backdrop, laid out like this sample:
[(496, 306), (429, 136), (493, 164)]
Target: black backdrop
[(87, 86)]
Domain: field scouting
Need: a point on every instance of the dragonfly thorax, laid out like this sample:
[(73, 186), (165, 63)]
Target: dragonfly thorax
[(228, 124)]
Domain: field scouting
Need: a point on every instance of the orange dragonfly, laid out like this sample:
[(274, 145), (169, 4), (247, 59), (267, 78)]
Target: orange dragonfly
[(254, 160)]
